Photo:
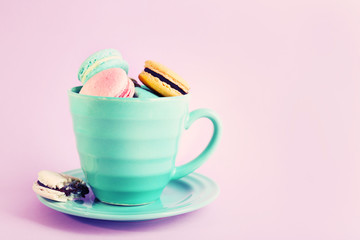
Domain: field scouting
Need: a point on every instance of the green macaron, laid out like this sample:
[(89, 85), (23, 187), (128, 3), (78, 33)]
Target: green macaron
[(144, 92), (99, 61)]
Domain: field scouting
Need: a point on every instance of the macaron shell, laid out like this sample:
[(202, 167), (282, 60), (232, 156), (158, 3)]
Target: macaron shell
[(99, 61), (129, 90), (108, 83), (144, 92), (132, 89), (53, 179), (50, 193), (157, 85)]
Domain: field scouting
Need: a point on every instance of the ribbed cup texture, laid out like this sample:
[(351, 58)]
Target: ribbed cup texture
[(127, 147)]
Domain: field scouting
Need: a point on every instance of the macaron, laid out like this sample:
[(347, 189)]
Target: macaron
[(99, 61), (144, 92), (59, 187), (163, 80), (112, 82)]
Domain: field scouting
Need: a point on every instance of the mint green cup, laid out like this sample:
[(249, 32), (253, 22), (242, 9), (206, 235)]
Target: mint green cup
[(128, 146)]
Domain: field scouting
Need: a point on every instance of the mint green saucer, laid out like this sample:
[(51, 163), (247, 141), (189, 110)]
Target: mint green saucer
[(180, 196)]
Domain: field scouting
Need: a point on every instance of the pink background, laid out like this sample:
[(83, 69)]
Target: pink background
[(283, 76)]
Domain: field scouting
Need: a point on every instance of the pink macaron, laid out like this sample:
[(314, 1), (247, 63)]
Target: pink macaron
[(112, 82)]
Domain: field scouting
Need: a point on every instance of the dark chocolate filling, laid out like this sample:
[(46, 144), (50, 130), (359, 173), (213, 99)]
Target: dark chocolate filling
[(75, 187), (165, 80)]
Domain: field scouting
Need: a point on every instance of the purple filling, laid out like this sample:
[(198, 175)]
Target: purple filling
[(75, 187), (135, 82)]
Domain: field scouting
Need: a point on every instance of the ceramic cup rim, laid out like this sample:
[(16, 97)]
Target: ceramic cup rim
[(73, 93)]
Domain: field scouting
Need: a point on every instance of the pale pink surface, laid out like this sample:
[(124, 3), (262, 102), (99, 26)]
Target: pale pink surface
[(111, 82), (129, 90), (284, 77)]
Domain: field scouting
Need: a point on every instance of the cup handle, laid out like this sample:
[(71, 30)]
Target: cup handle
[(187, 168)]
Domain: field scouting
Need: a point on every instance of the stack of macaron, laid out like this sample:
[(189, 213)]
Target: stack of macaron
[(105, 74)]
